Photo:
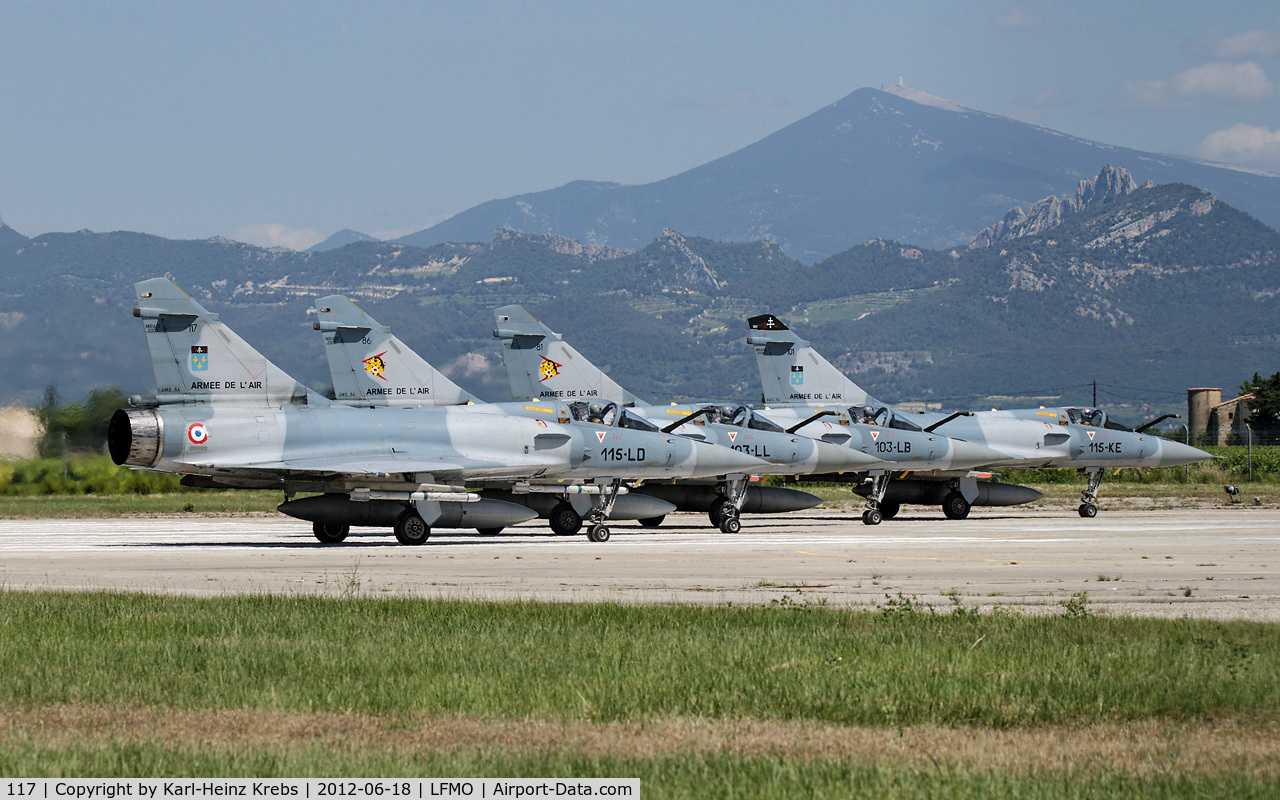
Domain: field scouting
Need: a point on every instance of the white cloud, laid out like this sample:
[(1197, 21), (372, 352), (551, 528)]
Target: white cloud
[(1215, 82), (1258, 43), (739, 99), (273, 234), (1242, 142), (1016, 18)]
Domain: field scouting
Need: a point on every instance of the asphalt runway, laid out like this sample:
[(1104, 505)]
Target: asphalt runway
[(1205, 563)]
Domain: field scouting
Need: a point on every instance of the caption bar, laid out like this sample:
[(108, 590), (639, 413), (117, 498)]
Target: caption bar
[(307, 789)]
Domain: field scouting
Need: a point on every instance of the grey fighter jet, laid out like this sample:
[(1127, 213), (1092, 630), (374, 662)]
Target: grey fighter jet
[(371, 367), (795, 375), (222, 415), (540, 364)]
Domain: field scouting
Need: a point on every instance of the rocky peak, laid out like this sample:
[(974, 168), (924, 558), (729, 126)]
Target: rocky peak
[(557, 243), (690, 266), (1112, 184)]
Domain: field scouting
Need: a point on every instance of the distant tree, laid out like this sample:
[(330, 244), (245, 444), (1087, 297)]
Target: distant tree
[(82, 425), (47, 413), (1266, 398)]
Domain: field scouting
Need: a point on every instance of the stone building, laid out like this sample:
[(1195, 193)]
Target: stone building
[(19, 432), (1214, 421)]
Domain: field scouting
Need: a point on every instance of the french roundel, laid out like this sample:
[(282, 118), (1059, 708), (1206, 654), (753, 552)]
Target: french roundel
[(197, 433)]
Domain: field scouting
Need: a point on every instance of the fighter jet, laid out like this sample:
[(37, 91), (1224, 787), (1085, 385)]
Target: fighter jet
[(793, 374), (540, 364), (223, 415), (371, 367)]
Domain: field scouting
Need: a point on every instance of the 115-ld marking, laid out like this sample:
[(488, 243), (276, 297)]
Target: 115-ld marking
[(622, 454)]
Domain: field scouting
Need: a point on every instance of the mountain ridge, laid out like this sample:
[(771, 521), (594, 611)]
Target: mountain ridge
[(1104, 295), (873, 163)]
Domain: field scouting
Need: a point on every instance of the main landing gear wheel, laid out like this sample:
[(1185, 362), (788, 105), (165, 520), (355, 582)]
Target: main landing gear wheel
[(889, 508), (730, 524), (954, 506), (653, 522), (329, 533), (871, 516), (411, 529), (1088, 510), (564, 520), (598, 533), (488, 531)]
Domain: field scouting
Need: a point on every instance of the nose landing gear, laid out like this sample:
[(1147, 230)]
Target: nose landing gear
[(597, 531), (1089, 497), (872, 515), (725, 511)]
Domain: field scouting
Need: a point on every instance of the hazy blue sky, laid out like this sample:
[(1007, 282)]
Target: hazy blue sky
[(284, 122)]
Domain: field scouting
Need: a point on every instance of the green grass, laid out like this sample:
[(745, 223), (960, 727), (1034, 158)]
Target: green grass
[(686, 776), (93, 486), (413, 666), (849, 309), (1231, 465), (604, 662), (82, 474), (201, 501)]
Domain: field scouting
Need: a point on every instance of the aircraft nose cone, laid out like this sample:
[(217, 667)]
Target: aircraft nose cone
[(967, 455), (713, 459), (1175, 454), (835, 458)]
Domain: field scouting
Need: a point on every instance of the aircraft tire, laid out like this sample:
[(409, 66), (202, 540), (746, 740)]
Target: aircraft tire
[(653, 522), (871, 516), (1088, 510), (328, 533), (717, 511), (411, 529), (564, 520), (890, 508), (730, 525), (954, 506), (488, 531), (598, 533)]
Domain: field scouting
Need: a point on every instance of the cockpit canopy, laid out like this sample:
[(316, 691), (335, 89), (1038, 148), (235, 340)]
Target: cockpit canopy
[(1095, 418), (739, 415), (598, 412), (606, 412), (882, 416)]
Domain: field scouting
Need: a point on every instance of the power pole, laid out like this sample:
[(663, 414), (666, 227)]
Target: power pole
[(1095, 394)]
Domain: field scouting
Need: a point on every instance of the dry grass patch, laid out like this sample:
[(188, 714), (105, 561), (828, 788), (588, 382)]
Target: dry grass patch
[(1238, 745)]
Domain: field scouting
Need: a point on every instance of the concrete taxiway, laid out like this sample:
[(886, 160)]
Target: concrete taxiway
[(1205, 563)]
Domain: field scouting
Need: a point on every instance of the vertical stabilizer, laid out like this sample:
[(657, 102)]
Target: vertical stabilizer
[(541, 364), (198, 359), (371, 367), (793, 372)]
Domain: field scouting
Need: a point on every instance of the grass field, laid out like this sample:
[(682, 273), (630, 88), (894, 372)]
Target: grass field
[(205, 501), (749, 702)]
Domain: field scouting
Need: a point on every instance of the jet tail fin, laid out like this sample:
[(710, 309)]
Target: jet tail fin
[(371, 367), (541, 364), (793, 372), (198, 359)]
